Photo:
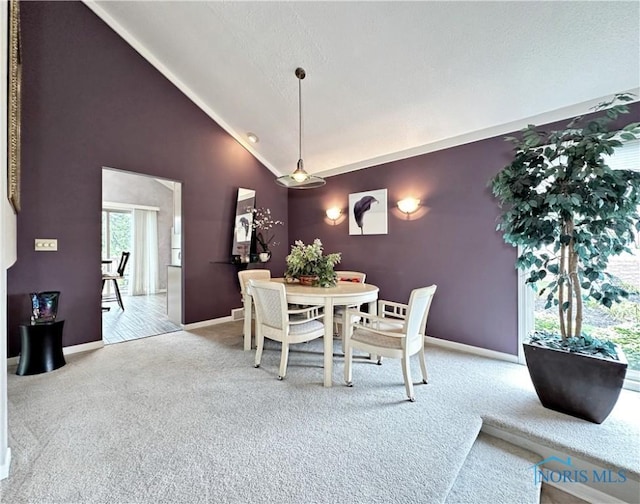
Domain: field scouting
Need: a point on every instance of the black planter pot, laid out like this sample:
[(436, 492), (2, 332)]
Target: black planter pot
[(579, 385)]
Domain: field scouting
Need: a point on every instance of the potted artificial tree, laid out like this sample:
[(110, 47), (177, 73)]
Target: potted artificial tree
[(569, 212)]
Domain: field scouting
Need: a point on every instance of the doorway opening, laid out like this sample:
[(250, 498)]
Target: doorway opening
[(140, 215)]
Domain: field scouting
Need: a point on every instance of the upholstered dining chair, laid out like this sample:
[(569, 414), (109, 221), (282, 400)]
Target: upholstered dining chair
[(396, 332), (114, 277), (249, 311), (276, 321)]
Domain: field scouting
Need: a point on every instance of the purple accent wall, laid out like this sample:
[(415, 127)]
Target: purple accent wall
[(90, 100), (451, 241)]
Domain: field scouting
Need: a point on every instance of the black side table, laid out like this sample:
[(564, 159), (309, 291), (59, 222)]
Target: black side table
[(41, 348)]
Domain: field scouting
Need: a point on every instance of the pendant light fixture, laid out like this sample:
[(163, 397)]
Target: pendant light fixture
[(300, 179)]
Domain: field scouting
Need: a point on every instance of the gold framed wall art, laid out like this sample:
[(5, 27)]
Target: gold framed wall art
[(14, 107)]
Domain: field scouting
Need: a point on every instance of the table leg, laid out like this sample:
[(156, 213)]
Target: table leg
[(248, 308), (328, 342)]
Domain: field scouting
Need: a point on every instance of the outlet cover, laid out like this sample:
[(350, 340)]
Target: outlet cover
[(46, 245)]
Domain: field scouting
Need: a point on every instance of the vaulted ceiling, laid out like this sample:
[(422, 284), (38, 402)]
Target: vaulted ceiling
[(385, 80)]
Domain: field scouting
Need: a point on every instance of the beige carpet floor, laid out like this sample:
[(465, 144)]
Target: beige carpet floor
[(185, 417)]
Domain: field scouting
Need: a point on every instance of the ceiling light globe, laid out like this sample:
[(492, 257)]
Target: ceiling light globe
[(299, 176)]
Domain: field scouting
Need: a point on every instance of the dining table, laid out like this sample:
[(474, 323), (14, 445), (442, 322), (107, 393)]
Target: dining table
[(343, 294)]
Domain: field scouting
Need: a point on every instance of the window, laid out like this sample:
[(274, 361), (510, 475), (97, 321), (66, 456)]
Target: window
[(116, 238)]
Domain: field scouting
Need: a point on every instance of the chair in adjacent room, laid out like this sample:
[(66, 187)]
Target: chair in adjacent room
[(247, 303), (276, 321), (114, 277), (396, 332)]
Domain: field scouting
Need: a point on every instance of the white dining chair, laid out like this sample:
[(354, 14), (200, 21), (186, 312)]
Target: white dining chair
[(249, 312), (276, 321), (396, 332)]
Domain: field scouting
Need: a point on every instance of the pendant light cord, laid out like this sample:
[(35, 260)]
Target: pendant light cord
[(300, 117), (300, 179)]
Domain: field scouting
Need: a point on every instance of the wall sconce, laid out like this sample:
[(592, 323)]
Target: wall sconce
[(334, 214), (408, 205)]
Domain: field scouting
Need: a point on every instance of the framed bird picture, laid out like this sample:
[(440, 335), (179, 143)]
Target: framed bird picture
[(368, 212)]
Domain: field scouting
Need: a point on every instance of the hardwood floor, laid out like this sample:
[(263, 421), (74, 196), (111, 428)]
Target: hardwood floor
[(143, 316)]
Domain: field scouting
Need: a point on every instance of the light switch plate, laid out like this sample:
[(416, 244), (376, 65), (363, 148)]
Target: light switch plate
[(46, 245)]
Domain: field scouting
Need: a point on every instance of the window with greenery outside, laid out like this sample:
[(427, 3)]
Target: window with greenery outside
[(621, 322), (570, 212)]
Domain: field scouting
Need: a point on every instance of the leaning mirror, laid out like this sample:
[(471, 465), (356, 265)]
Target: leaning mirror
[(243, 225)]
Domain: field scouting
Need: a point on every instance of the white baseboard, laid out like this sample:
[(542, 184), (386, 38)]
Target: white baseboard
[(616, 494), (461, 347), (84, 347), (205, 323), (4, 468)]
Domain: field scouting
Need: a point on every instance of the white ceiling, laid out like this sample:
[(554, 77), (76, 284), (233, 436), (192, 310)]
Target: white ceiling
[(385, 80)]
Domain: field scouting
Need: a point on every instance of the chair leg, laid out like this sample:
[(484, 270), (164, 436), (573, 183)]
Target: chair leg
[(348, 356), (347, 349), (406, 371), (259, 345), (104, 308), (248, 308), (284, 357), (118, 297), (423, 365)]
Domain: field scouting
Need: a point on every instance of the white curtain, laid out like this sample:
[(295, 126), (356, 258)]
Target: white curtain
[(144, 253)]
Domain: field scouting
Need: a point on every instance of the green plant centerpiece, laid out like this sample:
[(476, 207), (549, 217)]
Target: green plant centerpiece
[(309, 260), (569, 212)]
